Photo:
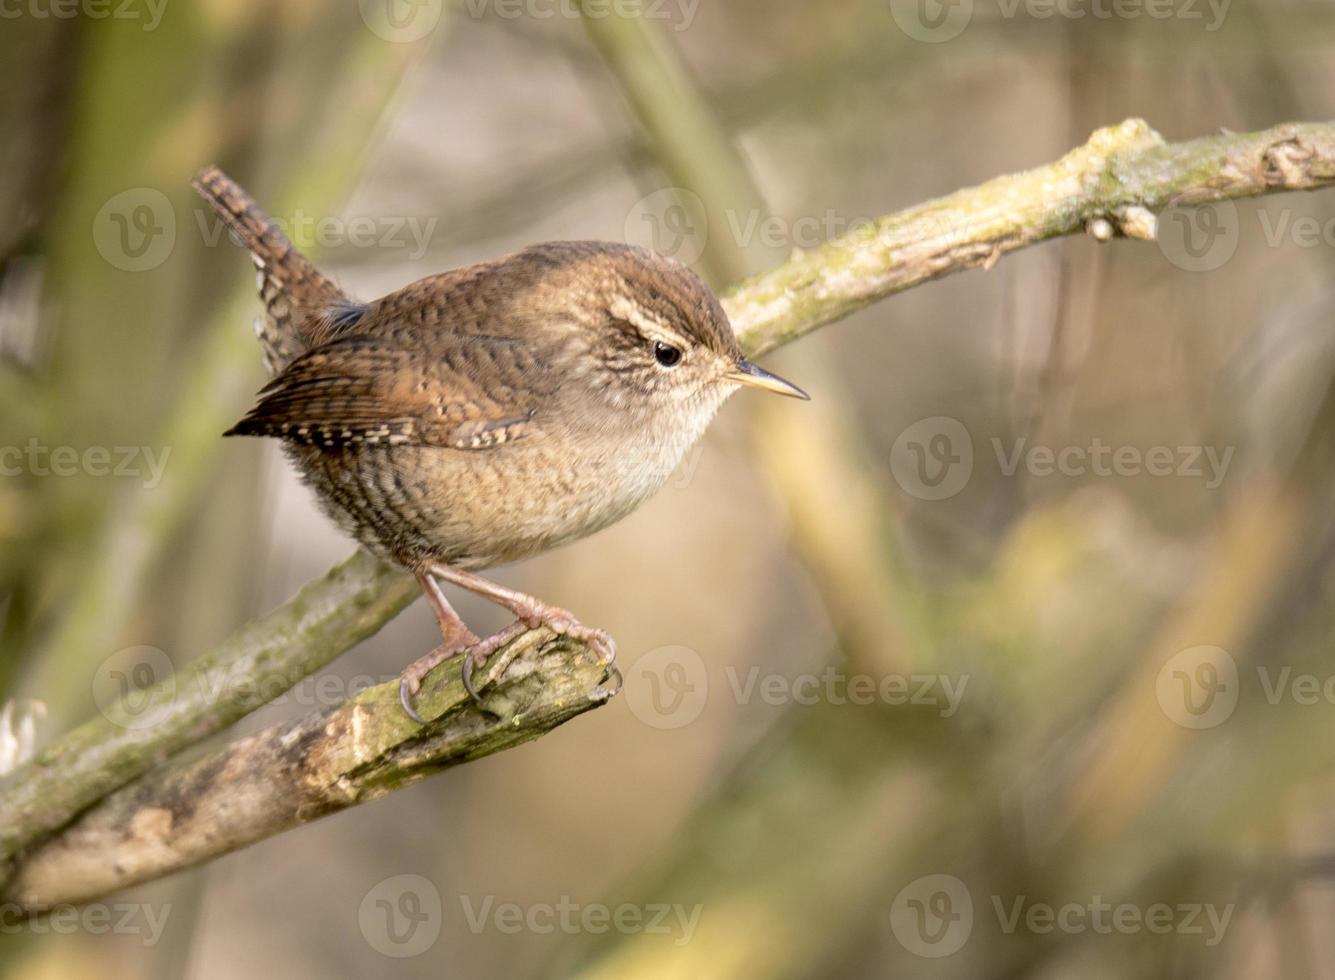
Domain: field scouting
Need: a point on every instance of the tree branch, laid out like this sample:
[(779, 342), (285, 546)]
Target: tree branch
[(192, 810), (257, 663), (1120, 174), (1123, 175)]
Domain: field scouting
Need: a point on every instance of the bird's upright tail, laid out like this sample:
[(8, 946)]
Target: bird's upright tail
[(295, 293)]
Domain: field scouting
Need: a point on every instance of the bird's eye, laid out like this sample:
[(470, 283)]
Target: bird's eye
[(666, 354)]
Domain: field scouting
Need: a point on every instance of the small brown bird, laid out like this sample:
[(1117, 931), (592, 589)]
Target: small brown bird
[(490, 413)]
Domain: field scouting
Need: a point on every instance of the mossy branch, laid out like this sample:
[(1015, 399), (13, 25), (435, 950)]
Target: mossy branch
[(1122, 175), (194, 809)]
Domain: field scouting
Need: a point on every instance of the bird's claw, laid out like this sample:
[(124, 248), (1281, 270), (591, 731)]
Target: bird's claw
[(410, 681), (600, 642), (477, 655), (609, 690)]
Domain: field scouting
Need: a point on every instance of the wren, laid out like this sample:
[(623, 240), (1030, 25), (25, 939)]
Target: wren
[(486, 414)]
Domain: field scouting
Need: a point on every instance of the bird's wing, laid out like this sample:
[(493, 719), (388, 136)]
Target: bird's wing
[(367, 390)]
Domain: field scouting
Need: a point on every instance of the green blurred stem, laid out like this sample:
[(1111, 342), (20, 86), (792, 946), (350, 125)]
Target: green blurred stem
[(684, 136), (1121, 167)]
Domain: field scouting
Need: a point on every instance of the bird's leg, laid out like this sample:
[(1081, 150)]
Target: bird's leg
[(455, 634), (532, 613)]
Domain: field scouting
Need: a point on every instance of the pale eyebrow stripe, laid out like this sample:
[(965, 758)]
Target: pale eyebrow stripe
[(654, 329)]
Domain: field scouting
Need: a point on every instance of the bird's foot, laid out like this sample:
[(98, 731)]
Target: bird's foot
[(410, 681), (481, 652), (560, 622), (563, 623), (533, 613)]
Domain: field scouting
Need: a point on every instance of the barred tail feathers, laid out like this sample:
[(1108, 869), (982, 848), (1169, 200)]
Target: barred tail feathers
[(292, 290)]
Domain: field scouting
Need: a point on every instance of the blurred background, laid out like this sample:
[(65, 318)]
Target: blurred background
[(1009, 655)]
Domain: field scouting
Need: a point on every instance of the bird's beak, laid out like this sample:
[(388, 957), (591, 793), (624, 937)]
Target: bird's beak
[(757, 377)]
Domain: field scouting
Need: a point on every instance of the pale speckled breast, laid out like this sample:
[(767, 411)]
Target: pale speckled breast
[(479, 509)]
